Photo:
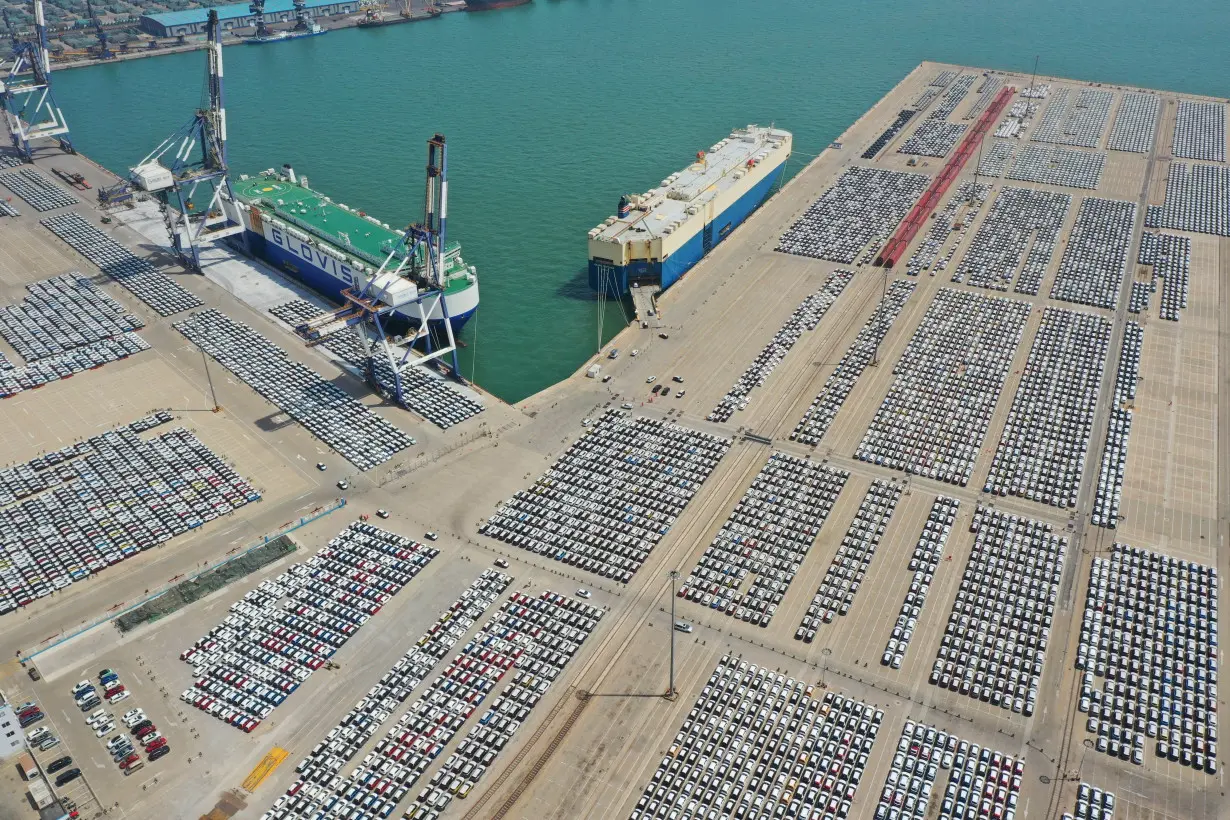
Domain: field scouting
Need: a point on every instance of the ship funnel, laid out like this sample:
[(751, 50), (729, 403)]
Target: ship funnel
[(623, 207), (289, 172)]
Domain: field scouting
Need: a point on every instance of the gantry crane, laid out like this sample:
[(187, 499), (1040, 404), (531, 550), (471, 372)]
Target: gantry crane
[(408, 288), (30, 108), (188, 172)]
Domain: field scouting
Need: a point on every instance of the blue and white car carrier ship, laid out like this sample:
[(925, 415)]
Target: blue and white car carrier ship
[(657, 236)]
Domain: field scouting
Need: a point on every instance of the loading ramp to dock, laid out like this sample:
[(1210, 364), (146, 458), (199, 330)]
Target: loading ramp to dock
[(645, 300)]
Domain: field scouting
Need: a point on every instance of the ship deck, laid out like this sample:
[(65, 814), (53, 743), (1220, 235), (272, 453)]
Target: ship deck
[(697, 183), (294, 202), (309, 207), (590, 747)]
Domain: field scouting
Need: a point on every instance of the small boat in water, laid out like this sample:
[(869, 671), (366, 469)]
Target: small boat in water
[(311, 30), (485, 5), (374, 16)]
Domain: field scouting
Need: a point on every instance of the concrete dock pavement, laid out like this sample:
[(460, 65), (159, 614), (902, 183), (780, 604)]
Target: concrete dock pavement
[(594, 761)]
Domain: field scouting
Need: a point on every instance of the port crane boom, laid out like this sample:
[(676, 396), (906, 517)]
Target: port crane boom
[(14, 40), (190, 168), (30, 108), (379, 302)]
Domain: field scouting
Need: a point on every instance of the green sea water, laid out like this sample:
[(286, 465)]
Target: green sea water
[(554, 109)]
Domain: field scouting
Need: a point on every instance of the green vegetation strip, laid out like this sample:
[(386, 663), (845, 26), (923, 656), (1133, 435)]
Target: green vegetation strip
[(208, 582)]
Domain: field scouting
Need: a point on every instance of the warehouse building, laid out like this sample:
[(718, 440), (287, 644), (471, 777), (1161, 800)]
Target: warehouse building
[(12, 739), (238, 15)]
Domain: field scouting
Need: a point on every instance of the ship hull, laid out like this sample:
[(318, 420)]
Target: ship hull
[(264, 41), (487, 5), (394, 21), (329, 278), (616, 279)]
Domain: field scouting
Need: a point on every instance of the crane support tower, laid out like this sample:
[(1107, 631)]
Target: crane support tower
[(104, 50), (30, 108), (301, 18), (189, 169), (258, 11), (372, 307)]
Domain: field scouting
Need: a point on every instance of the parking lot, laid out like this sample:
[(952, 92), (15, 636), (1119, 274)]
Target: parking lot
[(578, 726), (600, 776)]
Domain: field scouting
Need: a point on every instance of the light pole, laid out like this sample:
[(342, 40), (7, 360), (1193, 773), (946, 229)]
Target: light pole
[(213, 395), (670, 689)]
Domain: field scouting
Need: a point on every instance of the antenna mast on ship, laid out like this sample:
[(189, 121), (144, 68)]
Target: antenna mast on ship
[(174, 172), (373, 306), (30, 108)]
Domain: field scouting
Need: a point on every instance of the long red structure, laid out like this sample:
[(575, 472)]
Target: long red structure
[(930, 199)]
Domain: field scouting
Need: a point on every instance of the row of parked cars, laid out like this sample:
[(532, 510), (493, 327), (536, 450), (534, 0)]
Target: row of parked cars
[(1096, 256), (143, 731), (1041, 453), (29, 713), (383, 778), (994, 256), (88, 696), (766, 537), (135, 273), (515, 635), (559, 626), (1092, 804), (1150, 632), (100, 501), (923, 563), (327, 758), (1196, 196), (997, 634), (760, 744), (102, 723), (288, 627), (359, 435), (982, 783), (948, 380), (845, 574), (815, 423), (612, 496), (804, 318), (863, 204), (1171, 258), (1108, 496), (40, 737)]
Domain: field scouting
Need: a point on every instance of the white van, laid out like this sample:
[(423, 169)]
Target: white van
[(134, 766)]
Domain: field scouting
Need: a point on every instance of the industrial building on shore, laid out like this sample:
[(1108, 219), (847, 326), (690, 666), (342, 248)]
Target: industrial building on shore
[(238, 15)]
